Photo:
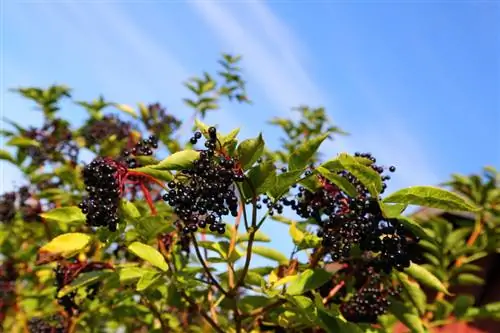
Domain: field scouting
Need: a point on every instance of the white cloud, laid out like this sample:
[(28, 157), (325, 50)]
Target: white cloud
[(274, 59)]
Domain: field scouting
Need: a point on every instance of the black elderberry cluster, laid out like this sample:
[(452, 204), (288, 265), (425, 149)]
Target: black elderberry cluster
[(53, 324), (22, 201), (142, 148), (55, 143), (346, 222), (158, 121), (98, 130), (203, 194), (63, 277), (8, 276), (103, 188), (7, 207), (370, 301)]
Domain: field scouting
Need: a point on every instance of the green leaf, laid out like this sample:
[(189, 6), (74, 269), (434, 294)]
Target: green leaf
[(6, 156), (414, 292), (146, 280), (300, 157), (258, 237), (411, 320), (22, 142), (178, 161), (461, 304), (423, 276), (126, 108), (456, 237), (149, 254), (202, 127), (341, 182), (152, 171), (64, 214), (283, 183), (226, 139), (131, 273), (129, 209), (249, 151), (416, 228), (308, 280), (270, 253), (84, 280), (430, 196), (468, 279), (63, 246), (297, 235), (366, 175), (262, 177), (392, 211)]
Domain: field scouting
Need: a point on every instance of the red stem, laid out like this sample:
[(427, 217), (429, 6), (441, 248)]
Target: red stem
[(145, 191), (148, 177)]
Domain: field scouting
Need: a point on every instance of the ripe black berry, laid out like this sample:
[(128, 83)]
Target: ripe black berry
[(205, 193), (392, 168), (103, 187)]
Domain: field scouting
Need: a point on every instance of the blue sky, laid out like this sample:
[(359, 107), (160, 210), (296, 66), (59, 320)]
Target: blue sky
[(416, 83)]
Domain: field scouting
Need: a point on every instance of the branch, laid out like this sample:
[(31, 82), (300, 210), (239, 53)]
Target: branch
[(157, 314), (264, 309), (202, 312), (205, 267)]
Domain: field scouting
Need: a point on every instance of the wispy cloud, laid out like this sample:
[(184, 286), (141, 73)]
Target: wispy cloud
[(273, 60)]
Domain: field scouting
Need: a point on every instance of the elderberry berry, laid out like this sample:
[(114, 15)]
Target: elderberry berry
[(205, 193), (102, 185)]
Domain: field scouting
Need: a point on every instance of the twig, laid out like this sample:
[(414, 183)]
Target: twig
[(333, 292), (205, 267), (157, 314), (264, 309), (212, 323)]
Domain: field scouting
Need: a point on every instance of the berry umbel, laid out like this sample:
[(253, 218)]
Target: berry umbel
[(202, 195)]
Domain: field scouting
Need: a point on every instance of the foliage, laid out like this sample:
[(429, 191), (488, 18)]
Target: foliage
[(138, 241)]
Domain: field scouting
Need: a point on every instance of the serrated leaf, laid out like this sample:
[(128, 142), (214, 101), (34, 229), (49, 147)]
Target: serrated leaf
[(132, 273), (270, 253), (64, 214), (341, 182), (146, 280), (84, 280), (308, 280), (414, 292), (62, 246), (226, 139), (152, 171), (300, 157), (249, 151), (366, 175), (149, 254), (6, 156), (430, 196), (178, 161), (423, 276), (22, 142)]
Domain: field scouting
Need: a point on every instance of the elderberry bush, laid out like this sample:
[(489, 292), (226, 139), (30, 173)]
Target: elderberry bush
[(205, 193)]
